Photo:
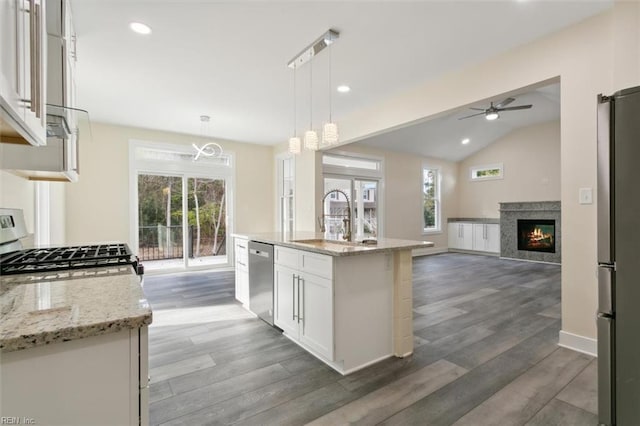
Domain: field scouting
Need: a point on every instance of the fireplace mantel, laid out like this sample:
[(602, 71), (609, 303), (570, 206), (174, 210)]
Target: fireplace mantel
[(528, 210)]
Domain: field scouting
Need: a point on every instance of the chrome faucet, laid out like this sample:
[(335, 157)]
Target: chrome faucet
[(346, 221)]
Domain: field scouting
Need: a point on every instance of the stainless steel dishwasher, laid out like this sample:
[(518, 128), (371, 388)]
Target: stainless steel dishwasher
[(261, 280)]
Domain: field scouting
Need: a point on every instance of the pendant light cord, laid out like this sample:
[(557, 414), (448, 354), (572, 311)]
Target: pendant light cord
[(310, 95), (295, 106), (330, 118)]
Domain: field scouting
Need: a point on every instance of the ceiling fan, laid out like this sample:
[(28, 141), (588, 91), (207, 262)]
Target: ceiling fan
[(491, 113)]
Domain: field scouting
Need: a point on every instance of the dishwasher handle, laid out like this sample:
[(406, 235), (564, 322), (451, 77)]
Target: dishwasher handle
[(259, 253)]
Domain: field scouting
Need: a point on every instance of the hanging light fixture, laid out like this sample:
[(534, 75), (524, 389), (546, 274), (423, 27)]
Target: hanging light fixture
[(210, 149), (311, 141), (310, 136), (294, 141), (330, 129)]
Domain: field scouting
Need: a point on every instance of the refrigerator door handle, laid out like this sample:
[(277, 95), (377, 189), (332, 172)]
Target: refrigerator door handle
[(604, 191), (606, 370), (606, 281)]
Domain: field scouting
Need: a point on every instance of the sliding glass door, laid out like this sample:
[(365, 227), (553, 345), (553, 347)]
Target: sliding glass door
[(206, 221), (160, 237)]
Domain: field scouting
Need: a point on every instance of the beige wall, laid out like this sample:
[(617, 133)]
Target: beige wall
[(584, 58), (18, 193), (98, 205), (531, 160)]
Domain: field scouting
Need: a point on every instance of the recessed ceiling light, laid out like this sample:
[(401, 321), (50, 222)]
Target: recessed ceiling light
[(344, 88), (465, 141), (140, 28)]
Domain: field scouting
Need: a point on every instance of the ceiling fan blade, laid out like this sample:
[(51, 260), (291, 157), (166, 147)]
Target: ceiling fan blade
[(472, 115), (504, 103), (478, 109), (513, 108)]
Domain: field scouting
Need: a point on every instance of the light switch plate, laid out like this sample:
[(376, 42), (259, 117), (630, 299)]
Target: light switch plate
[(585, 196)]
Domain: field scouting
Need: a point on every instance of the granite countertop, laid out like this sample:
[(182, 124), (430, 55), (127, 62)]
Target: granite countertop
[(473, 220), (45, 308), (316, 242)]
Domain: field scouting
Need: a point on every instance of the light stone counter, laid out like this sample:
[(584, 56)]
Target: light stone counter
[(45, 308), (318, 243)]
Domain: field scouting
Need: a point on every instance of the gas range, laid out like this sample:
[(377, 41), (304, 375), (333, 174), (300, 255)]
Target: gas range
[(81, 259), (53, 259)]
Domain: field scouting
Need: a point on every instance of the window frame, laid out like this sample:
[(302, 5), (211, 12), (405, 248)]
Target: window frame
[(437, 229)]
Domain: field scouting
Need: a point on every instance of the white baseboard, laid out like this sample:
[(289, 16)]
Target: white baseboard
[(583, 344), (427, 251)]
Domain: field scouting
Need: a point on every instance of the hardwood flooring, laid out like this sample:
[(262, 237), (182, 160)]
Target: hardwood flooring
[(486, 334)]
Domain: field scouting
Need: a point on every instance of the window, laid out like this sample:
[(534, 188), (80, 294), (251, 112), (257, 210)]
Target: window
[(431, 206), (361, 178), (286, 189), (493, 171)]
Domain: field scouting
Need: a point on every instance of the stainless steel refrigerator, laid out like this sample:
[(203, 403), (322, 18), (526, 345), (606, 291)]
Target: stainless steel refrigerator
[(619, 258)]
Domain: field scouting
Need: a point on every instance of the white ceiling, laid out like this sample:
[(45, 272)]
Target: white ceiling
[(227, 59)]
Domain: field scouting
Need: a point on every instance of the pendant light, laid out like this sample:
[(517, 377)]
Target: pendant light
[(310, 136), (330, 129), (294, 141)]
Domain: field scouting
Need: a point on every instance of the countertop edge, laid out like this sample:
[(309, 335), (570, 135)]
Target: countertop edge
[(74, 333)]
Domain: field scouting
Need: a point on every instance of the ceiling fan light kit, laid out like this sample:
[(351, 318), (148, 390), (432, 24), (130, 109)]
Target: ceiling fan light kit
[(492, 113)]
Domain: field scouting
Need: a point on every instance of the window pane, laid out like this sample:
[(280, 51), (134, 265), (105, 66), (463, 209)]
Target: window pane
[(358, 163), (206, 220), (367, 203), (159, 218), (431, 199)]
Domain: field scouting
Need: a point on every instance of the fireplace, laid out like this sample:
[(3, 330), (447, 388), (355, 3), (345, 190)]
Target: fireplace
[(537, 235), (531, 231)]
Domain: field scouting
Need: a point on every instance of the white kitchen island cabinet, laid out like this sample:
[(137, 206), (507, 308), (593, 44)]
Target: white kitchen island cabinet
[(349, 304), (303, 300)]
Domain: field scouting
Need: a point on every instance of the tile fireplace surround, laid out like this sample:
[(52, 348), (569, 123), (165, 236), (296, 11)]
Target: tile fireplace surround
[(509, 215)]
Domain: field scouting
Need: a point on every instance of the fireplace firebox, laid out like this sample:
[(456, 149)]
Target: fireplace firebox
[(537, 235)]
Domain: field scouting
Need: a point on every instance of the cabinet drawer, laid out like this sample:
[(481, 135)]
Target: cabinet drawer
[(286, 257), (316, 264)]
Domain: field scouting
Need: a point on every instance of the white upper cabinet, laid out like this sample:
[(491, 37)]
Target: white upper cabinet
[(23, 65)]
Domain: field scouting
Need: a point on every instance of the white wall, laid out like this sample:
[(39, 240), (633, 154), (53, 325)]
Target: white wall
[(584, 58), (98, 205), (531, 160)]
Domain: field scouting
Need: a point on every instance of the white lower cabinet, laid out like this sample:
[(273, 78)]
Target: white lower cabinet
[(95, 380), (303, 300), (242, 270), (461, 236), (486, 237)]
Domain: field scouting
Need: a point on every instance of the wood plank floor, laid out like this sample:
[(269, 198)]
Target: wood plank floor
[(486, 334)]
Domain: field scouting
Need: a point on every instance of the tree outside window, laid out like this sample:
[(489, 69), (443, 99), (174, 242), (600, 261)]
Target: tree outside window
[(431, 192)]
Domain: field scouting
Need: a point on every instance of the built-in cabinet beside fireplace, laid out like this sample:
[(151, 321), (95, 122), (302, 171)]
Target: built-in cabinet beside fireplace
[(531, 231), (468, 234)]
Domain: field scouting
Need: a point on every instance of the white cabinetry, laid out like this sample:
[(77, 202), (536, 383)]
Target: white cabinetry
[(242, 270), (23, 72), (476, 236), (303, 298), (486, 237), (461, 236), (90, 381)]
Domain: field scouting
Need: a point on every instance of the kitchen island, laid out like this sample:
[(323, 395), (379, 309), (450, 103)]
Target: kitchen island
[(74, 347), (348, 303)]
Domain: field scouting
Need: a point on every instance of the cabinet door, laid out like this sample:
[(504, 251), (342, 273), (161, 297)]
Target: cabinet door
[(316, 311), (10, 56), (467, 236), (454, 235), (493, 238), (479, 241), (285, 299)]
